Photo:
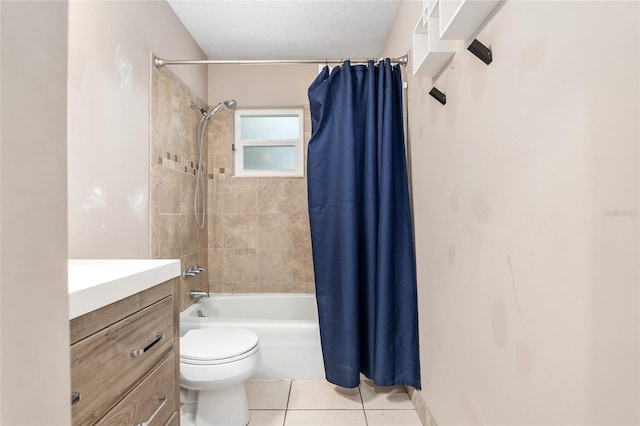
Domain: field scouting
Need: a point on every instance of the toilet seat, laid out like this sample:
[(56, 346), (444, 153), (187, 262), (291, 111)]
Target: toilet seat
[(219, 345)]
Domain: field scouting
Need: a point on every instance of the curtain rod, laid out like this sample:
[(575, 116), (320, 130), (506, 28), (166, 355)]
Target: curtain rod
[(160, 62)]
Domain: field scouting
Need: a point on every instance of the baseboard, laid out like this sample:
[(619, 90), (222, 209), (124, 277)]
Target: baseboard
[(421, 407)]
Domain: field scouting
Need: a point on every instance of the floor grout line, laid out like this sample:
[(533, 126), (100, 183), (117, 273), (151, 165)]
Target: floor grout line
[(325, 409), (364, 412), (286, 407), (367, 412)]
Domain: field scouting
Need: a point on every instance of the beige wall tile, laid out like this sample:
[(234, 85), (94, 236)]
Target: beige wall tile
[(266, 215), (239, 196), (300, 230), (274, 231), (215, 231), (189, 235), (203, 235), (240, 265), (166, 189), (289, 287), (275, 265), (203, 260), (241, 287), (216, 287), (221, 136), (302, 265), (174, 233), (165, 236), (239, 230), (211, 192), (215, 199), (282, 195), (306, 287), (153, 229), (188, 185), (222, 157), (279, 287), (216, 262)]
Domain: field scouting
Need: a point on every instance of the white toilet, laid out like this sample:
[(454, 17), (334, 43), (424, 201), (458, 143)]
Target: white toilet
[(216, 362)]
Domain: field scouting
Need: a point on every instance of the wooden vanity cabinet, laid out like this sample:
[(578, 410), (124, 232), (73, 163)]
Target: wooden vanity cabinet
[(125, 361)]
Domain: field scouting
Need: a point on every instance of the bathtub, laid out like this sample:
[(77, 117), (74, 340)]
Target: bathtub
[(286, 324)]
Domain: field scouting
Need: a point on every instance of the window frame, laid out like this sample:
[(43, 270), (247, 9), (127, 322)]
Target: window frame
[(239, 144)]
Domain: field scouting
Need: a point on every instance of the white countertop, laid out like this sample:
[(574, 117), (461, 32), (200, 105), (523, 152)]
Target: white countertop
[(94, 283)]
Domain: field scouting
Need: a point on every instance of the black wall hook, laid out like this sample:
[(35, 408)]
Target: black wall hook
[(438, 96), (481, 51)]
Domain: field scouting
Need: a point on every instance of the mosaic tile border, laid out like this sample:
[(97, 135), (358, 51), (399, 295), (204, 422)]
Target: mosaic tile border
[(175, 162)]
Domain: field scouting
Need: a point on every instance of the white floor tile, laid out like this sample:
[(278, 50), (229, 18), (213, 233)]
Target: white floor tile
[(266, 417), (325, 418), (268, 394), (392, 418), (387, 397), (187, 420), (322, 395)]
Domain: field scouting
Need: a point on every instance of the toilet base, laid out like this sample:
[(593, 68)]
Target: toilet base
[(223, 407)]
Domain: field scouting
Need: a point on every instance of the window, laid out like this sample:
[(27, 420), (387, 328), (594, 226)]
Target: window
[(269, 142)]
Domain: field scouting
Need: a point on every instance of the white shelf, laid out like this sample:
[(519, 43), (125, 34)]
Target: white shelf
[(430, 54), (441, 23), (422, 27), (434, 9), (461, 19)]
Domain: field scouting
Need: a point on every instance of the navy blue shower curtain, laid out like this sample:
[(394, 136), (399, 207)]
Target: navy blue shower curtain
[(361, 230)]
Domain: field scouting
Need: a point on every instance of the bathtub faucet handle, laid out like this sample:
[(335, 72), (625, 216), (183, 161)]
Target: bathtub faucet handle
[(194, 294), (192, 271), (188, 273)]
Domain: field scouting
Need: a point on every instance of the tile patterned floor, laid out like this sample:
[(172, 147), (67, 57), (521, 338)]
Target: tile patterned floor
[(319, 403)]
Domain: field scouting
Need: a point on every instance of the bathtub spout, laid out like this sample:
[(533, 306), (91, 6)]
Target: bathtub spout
[(194, 295)]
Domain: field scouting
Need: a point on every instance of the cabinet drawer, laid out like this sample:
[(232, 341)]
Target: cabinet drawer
[(151, 403), (174, 420), (105, 365)]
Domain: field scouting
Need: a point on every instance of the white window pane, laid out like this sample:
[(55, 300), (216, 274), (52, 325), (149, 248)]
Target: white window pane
[(269, 158), (269, 127)]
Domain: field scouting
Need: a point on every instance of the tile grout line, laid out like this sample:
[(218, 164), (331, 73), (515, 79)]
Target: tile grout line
[(286, 407), (364, 412)]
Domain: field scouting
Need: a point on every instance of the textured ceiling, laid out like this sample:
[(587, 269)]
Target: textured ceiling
[(287, 29)]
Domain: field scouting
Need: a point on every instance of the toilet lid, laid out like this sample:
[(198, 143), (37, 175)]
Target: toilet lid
[(210, 344)]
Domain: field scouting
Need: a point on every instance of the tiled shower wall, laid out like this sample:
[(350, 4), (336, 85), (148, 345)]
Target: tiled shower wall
[(259, 238), (174, 234), (256, 237)]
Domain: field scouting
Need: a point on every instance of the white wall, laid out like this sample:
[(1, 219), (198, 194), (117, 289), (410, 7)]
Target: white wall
[(526, 204), (34, 324), (110, 43)]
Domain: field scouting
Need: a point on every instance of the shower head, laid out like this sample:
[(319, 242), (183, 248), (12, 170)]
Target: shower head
[(230, 104)]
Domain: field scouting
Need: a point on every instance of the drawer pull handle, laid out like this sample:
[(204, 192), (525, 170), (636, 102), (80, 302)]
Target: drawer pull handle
[(163, 400), (139, 352), (75, 398)]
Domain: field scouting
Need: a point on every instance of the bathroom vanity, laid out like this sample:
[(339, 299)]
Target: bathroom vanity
[(124, 352)]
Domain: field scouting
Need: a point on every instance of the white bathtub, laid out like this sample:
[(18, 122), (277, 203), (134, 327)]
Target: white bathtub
[(286, 324)]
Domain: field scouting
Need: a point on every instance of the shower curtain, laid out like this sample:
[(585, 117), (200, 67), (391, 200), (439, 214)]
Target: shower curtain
[(361, 230)]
